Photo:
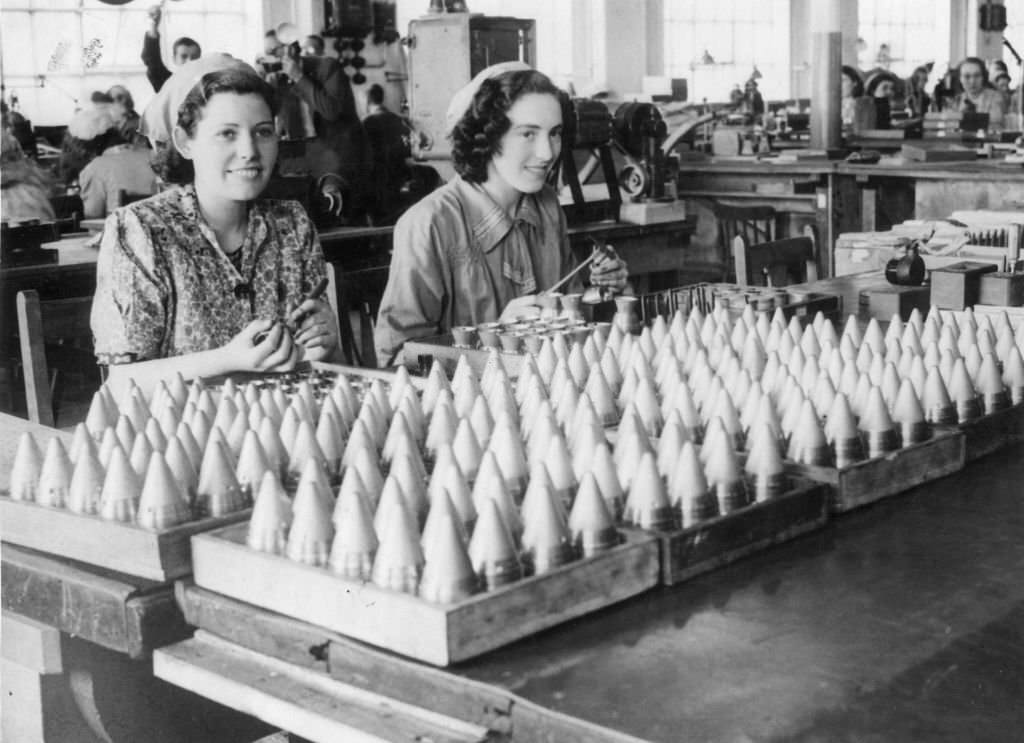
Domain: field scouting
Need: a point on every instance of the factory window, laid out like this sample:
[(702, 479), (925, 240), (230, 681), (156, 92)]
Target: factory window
[(900, 36), (718, 45), (56, 52)]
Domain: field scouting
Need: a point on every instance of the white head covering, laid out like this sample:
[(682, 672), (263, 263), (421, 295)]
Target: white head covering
[(91, 122), (463, 99), (161, 115)]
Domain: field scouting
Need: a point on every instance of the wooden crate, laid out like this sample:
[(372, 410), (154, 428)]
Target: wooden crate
[(992, 432), (440, 634), (686, 553), (157, 555), (873, 479)]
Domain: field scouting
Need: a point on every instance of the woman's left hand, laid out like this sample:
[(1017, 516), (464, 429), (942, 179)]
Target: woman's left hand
[(316, 329), (608, 270)]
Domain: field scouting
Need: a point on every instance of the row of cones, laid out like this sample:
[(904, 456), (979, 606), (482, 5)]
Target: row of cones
[(470, 541)]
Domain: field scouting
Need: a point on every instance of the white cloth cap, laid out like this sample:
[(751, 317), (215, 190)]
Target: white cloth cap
[(161, 115), (463, 99)]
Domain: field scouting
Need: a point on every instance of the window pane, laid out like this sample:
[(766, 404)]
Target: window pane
[(17, 49), (58, 47)]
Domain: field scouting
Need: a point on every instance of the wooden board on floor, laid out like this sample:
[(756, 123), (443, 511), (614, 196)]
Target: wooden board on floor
[(124, 613), (306, 703), (515, 718), (991, 432), (873, 479), (719, 541), (157, 555), (444, 633)]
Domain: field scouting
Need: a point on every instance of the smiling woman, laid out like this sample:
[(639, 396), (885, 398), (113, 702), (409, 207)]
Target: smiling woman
[(206, 278), (483, 245)]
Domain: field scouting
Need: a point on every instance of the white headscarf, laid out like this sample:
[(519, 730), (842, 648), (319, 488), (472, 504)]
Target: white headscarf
[(463, 99), (161, 115)]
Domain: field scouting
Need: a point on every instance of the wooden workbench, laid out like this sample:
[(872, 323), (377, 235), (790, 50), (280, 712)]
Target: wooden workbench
[(77, 643)]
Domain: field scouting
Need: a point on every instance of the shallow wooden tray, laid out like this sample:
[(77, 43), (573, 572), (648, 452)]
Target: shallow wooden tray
[(991, 432), (157, 555), (697, 549), (873, 479), (440, 634)]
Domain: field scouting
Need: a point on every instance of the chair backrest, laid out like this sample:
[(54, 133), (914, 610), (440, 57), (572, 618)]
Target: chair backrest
[(125, 197), (41, 323), (775, 263), (755, 224)]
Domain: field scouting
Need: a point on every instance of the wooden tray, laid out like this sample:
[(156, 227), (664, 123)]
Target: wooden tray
[(873, 479), (157, 555), (440, 634), (992, 432), (711, 544)]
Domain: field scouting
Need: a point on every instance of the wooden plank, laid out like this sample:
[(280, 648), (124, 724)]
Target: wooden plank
[(689, 552), (124, 613), (873, 479), (991, 432), (30, 643), (28, 696), (306, 703), (360, 665), (158, 555), (444, 633)]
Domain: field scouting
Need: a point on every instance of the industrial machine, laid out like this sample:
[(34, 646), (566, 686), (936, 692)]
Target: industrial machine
[(446, 50)]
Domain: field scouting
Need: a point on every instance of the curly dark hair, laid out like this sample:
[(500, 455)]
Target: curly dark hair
[(476, 136), (166, 161), (855, 78)]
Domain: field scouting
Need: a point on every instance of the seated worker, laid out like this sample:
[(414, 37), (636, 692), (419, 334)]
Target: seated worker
[(120, 166), (977, 96), (482, 246), (184, 50), (882, 89), (202, 279), (24, 186), (124, 106), (752, 102), (857, 110), (918, 100), (313, 46), (1001, 83)]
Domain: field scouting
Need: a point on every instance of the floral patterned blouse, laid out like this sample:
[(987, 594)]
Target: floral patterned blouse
[(164, 287)]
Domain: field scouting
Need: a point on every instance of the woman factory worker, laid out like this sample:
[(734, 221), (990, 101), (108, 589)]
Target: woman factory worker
[(482, 246), (978, 97), (207, 279)]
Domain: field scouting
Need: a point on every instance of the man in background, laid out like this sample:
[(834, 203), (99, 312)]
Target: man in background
[(184, 50)]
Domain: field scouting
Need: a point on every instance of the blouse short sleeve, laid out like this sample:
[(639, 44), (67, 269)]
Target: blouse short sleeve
[(130, 305)]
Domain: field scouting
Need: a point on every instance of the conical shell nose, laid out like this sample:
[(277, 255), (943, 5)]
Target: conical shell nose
[(355, 540), (311, 531), (647, 505), (591, 524), (842, 433), (690, 491), (546, 540), (271, 517), (994, 396), (909, 415), (965, 397), (54, 476), (448, 575), (121, 489), (808, 444), (162, 504), (218, 493), (877, 425), (492, 550), (938, 408), (399, 558), (765, 468), (86, 483)]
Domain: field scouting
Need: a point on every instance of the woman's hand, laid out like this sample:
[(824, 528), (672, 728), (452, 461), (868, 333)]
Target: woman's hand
[(262, 346), (608, 270), (316, 329), (525, 306)]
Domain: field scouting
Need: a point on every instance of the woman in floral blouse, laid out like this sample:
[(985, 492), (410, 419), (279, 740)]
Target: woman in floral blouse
[(206, 279)]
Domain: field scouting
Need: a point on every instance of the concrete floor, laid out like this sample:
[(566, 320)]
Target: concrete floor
[(901, 622)]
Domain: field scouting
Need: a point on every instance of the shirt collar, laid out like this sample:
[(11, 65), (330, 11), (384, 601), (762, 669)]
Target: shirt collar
[(256, 231), (488, 221)]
